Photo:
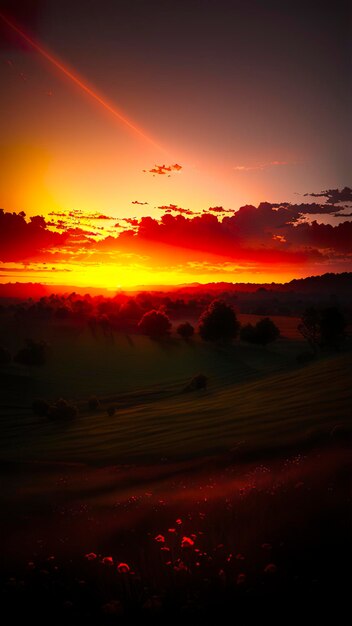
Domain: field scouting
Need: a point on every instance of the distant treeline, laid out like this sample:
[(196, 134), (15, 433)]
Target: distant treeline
[(184, 303)]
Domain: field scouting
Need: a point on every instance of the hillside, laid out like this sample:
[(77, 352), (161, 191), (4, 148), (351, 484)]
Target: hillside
[(272, 411)]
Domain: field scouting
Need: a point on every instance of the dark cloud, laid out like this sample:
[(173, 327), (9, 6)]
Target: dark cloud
[(219, 209), (267, 231), (21, 239), (77, 214), (334, 195), (168, 208), (137, 202), (163, 169)]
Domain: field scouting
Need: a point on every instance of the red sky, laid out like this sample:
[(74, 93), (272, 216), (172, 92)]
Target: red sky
[(137, 132)]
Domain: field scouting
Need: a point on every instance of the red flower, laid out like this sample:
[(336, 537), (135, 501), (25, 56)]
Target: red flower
[(123, 568), (187, 542), (160, 538), (270, 569)]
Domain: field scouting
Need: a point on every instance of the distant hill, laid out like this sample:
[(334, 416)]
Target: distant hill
[(325, 284), (23, 291)]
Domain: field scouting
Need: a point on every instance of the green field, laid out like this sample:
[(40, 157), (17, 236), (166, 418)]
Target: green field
[(258, 399)]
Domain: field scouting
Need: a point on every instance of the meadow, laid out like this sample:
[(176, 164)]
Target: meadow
[(218, 506)]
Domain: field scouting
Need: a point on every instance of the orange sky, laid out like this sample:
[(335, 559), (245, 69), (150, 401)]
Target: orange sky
[(83, 123)]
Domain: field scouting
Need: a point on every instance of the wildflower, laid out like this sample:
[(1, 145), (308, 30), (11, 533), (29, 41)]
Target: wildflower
[(123, 568), (108, 560), (187, 542), (270, 568)]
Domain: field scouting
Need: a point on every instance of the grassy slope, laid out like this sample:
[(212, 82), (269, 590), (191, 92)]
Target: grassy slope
[(278, 409)]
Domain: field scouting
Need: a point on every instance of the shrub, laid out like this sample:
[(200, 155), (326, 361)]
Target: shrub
[(62, 410), (35, 353), (93, 403), (185, 330), (264, 332), (198, 382)]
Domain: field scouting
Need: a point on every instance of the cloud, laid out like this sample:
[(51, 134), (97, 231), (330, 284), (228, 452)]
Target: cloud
[(164, 169), (219, 209), (77, 214), (334, 196), (137, 202), (168, 208), (258, 166), (21, 239), (269, 235)]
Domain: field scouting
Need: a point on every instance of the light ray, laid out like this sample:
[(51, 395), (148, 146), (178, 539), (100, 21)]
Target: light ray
[(81, 83)]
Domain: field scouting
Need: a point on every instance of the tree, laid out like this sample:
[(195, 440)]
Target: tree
[(155, 324), (264, 332), (35, 353), (332, 327), (309, 327), (324, 328), (218, 322), (185, 330)]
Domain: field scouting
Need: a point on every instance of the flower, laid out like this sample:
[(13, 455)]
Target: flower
[(123, 568), (187, 542), (108, 560)]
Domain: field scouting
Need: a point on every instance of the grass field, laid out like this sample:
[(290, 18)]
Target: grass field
[(254, 472), (256, 399)]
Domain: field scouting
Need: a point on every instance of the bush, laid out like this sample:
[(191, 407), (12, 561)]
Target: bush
[(62, 410), (93, 403), (198, 382), (264, 332), (185, 330), (323, 328), (218, 322), (35, 353), (155, 324)]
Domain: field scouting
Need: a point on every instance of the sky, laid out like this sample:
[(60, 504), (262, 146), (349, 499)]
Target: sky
[(136, 130)]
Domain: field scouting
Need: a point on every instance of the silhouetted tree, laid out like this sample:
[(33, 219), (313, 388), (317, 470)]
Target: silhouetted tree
[(265, 331), (332, 327), (5, 356), (35, 353), (185, 330), (155, 324), (324, 328), (247, 333), (218, 322), (309, 327)]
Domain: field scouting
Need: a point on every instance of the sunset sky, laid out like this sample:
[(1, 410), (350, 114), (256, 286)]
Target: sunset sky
[(136, 130)]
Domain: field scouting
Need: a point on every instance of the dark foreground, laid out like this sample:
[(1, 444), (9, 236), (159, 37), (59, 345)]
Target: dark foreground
[(211, 542)]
